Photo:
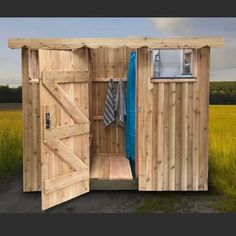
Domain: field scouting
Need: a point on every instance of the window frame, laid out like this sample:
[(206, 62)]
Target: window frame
[(181, 78)]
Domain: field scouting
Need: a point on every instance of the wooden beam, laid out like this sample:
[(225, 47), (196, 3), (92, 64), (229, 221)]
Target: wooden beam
[(67, 131), (65, 76), (108, 79), (65, 180), (75, 43), (98, 117)]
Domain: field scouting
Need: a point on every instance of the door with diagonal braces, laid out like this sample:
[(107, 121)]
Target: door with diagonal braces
[(64, 101)]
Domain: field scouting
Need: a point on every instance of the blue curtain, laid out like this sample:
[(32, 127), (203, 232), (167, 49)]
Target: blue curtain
[(130, 108)]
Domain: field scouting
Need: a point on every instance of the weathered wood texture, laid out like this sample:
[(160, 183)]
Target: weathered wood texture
[(172, 125), (74, 43), (106, 63), (113, 167), (64, 93), (31, 122)]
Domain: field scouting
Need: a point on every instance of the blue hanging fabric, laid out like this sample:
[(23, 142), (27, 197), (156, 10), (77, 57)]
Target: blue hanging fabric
[(130, 108)]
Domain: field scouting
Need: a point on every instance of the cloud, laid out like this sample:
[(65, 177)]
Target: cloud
[(196, 26), (221, 59), (168, 25)]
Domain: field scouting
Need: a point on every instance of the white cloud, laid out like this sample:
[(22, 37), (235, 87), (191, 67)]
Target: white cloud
[(223, 60), (169, 25)]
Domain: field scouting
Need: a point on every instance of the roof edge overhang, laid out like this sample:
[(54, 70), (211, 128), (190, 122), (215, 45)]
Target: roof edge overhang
[(133, 43)]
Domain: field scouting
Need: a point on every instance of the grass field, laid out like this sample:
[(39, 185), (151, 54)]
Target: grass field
[(222, 150), (10, 140), (222, 153)]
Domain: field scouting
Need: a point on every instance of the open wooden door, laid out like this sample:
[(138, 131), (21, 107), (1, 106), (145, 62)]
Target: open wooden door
[(64, 107)]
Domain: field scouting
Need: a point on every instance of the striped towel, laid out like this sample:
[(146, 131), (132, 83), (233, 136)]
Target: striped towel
[(120, 107), (109, 110)]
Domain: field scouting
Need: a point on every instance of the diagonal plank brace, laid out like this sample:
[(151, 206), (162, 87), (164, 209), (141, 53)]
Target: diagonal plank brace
[(62, 151)]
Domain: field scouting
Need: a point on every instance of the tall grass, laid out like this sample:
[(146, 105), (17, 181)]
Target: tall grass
[(10, 143), (222, 153), (222, 148)]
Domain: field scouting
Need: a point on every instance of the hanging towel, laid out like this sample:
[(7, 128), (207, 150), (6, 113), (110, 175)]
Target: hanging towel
[(109, 110), (130, 106), (120, 104)]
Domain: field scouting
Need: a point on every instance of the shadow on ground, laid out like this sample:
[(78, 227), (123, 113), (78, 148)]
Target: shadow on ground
[(13, 200)]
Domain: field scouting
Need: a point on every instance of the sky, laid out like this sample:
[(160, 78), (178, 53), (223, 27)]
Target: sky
[(223, 60)]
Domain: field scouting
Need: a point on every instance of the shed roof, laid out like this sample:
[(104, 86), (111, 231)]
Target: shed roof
[(133, 43)]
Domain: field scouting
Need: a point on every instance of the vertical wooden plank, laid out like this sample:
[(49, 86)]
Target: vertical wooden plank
[(165, 139), (33, 65), (178, 128), (148, 103), (117, 139), (203, 77), (160, 136), (141, 119), (30, 113), (94, 168), (115, 168), (104, 169), (184, 136), (154, 140), (190, 137), (171, 136), (97, 122), (35, 158), (26, 146), (81, 62), (196, 119)]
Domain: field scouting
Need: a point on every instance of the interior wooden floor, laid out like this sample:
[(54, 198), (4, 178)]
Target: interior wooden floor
[(110, 168)]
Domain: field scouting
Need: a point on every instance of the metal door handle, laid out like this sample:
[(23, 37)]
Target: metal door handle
[(47, 117)]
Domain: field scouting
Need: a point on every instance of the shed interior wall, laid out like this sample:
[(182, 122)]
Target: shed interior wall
[(108, 159)]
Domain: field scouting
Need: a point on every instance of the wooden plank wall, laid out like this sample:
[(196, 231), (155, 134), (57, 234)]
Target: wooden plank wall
[(31, 121), (106, 63), (172, 124)]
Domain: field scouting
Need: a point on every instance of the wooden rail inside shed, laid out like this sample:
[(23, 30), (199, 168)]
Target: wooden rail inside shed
[(66, 81)]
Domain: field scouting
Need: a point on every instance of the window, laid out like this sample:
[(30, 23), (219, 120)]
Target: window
[(187, 58), (168, 63)]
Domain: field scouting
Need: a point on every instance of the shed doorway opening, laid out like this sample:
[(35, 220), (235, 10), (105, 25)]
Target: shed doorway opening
[(112, 155)]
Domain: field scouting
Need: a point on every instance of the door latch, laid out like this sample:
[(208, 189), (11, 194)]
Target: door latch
[(47, 116)]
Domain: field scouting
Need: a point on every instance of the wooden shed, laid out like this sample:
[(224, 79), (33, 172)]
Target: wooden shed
[(67, 151)]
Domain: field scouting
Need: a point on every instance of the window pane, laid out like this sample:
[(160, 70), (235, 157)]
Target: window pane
[(171, 63)]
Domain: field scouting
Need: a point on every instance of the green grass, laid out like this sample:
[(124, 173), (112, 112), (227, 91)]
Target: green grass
[(10, 142), (222, 154)]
